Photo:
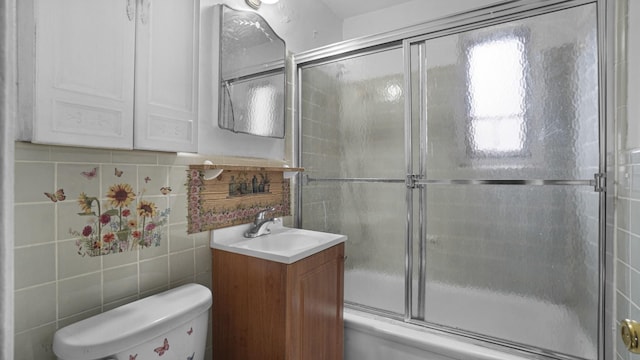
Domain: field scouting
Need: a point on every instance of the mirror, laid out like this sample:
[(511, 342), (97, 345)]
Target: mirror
[(252, 74)]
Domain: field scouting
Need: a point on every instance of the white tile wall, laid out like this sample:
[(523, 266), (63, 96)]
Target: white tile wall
[(55, 286)]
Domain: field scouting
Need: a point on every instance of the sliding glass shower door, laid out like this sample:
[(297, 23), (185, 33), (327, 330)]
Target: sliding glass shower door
[(510, 225), (464, 165), (352, 148)]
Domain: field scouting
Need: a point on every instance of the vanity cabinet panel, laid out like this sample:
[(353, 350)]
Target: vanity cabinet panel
[(315, 328), (268, 310), (248, 307), (80, 61)]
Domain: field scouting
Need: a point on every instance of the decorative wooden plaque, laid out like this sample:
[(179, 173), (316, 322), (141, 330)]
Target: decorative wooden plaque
[(235, 196)]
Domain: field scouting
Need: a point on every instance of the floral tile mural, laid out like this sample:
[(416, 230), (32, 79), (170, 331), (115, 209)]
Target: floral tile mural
[(122, 221)]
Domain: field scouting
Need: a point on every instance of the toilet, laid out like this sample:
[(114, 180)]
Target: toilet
[(166, 326)]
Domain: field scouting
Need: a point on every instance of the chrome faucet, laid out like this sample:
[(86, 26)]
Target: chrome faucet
[(260, 224)]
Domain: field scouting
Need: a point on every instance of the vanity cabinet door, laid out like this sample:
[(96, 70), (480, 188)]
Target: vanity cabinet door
[(315, 328), (268, 310), (166, 92), (248, 312), (84, 72)]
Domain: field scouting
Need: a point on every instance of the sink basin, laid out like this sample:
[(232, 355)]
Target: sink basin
[(284, 245)]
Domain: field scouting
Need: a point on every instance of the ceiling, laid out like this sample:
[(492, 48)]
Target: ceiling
[(348, 8)]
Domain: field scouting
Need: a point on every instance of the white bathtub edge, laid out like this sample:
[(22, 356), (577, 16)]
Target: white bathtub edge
[(422, 338)]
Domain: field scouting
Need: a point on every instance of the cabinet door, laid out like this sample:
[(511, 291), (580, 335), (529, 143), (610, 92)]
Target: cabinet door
[(167, 75), (84, 72), (315, 321)]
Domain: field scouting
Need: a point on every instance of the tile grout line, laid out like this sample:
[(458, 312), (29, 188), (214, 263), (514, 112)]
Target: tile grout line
[(56, 251), (631, 302), (138, 258), (100, 184)]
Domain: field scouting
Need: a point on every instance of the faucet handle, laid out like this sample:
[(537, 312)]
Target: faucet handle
[(260, 214)]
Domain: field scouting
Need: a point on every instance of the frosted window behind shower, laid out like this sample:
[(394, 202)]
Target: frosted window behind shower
[(515, 101), (496, 72)]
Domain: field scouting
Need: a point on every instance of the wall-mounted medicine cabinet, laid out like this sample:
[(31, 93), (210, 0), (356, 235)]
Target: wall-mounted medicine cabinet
[(251, 84)]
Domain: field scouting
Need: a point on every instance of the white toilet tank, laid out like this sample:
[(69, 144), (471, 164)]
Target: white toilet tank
[(170, 325)]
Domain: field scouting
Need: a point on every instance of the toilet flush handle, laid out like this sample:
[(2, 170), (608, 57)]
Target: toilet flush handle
[(629, 331)]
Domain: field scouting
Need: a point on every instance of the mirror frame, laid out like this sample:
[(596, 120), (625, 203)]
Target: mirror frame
[(255, 72)]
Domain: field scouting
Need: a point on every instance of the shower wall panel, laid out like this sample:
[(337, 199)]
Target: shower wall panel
[(320, 149)]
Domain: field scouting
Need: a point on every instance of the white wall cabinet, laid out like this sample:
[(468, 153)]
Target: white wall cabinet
[(109, 73)]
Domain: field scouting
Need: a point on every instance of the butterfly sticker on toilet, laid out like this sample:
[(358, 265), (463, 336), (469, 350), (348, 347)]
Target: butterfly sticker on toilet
[(56, 196), (162, 349), (191, 357), (133, 357)]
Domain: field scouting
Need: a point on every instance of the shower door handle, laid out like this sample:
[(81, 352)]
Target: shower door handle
[(505, 182), (306, 179), (597, 183)]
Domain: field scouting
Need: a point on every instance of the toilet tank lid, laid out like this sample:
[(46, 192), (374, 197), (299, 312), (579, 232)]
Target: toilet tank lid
[(123, 327)]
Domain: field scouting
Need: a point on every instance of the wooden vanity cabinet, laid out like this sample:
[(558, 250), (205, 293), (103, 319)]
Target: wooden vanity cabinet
[(268, 310)]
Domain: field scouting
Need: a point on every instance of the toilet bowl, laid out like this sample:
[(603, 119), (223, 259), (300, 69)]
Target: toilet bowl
[(169, 325)]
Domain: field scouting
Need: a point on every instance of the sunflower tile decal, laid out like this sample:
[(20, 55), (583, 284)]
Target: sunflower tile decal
[(124, 221)]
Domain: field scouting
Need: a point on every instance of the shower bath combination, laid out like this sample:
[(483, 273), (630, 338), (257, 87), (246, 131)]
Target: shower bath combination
[(465, 162)]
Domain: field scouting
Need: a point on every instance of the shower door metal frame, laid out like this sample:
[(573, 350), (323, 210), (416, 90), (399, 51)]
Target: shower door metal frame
[(457, 23)]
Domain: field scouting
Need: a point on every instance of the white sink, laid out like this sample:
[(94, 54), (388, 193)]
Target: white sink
[(284, 245)]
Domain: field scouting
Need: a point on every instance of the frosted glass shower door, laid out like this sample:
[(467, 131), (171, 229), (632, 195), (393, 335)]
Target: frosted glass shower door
[(352, 123), (511, 218)]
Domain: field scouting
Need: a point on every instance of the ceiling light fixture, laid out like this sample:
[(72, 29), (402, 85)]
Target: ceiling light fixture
[(255, 4)]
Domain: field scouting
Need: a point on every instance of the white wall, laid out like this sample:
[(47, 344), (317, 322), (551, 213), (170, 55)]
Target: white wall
[(406, 14), (8, 106), (633, 86)]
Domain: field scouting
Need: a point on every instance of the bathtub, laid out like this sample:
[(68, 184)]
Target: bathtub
[(373, 337)]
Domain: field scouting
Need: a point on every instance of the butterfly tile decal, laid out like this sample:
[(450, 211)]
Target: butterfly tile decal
[(117, 172), (56, 196), (165, 190), (162, 349), (90, 174), (147, 179)]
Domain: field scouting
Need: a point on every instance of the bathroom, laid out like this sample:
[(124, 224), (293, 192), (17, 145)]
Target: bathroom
[(46, 284)]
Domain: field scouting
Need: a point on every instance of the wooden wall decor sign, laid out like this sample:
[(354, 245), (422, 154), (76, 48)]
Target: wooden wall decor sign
[(235, 196)]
